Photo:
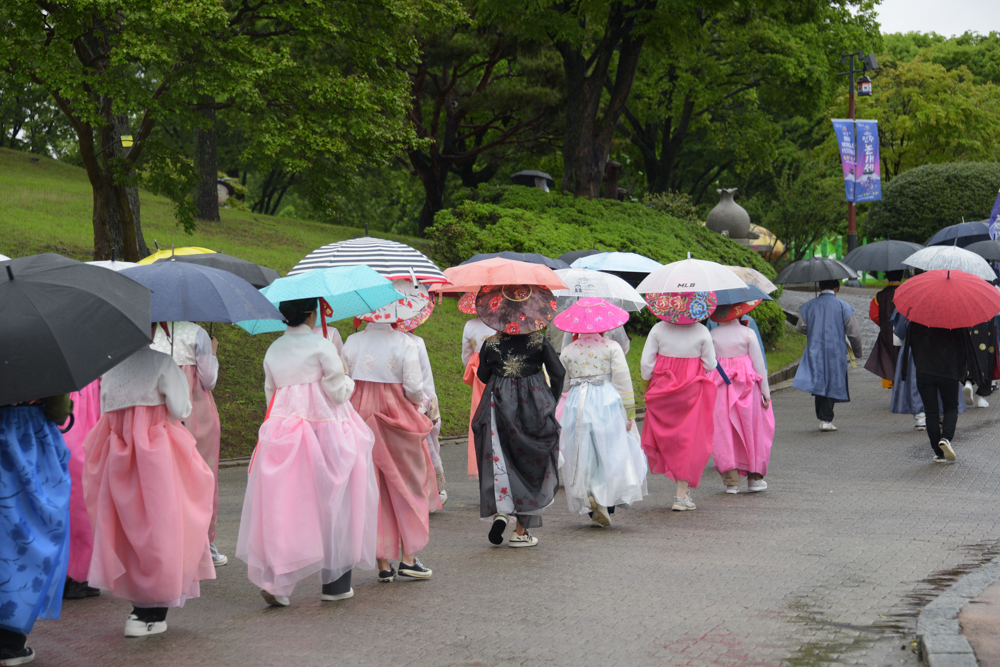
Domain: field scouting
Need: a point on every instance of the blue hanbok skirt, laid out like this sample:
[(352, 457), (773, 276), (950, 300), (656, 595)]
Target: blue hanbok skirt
[(34, 517), (905, 399)]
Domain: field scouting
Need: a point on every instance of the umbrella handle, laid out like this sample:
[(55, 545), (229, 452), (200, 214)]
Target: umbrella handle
[(725, 377)]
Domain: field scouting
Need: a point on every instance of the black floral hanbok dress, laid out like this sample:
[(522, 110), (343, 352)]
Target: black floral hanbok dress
[(515, 427)]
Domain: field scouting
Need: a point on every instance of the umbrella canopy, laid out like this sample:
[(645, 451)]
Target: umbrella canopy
[(726, 297), (582, 283), (393, 260), (591, 315), (681, 307), (350, 291), (881, 255), (529, 257), (813, 270), (988, 250), (112, 264), (951, 257), (962, 234), (497, 271), (160, 254), (467, 303), (515, 309), (415, 299), (753, 277), (947, 299), (573, 255), (628, 262), (255, 274), (733, 311), (188, 292), (4, 258), (64, 324), (690, 275)]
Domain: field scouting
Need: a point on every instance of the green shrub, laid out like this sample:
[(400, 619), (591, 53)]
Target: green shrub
[(771, 322), (678, 204), (921, 201)]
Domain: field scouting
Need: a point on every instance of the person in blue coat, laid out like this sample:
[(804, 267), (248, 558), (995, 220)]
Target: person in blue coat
[(829, 325)]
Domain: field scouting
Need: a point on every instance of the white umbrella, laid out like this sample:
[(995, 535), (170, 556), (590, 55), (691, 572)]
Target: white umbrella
[(112, 264), (585, 282), (690, 275), (393, 260), (951, 257), (753, 277), (4, 258), (415, 299), (625, 262)]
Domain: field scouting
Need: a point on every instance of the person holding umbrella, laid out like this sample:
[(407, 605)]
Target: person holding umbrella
[(311, 501), (882, 361), (827, 322), (604, 464)]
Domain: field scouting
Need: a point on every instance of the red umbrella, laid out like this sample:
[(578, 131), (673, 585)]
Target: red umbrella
[(947, 299)]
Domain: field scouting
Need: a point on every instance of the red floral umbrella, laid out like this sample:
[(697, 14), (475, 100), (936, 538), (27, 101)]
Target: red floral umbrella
[(947, 299)]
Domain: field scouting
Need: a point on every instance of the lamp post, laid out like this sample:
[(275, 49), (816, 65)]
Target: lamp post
[(864, 86)]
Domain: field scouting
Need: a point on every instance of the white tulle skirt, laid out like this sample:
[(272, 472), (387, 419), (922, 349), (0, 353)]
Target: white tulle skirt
[(601, 458), (311, 502)]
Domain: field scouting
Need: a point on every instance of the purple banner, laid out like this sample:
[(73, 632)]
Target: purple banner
[(995, 219), (844, 129), (867, 170)]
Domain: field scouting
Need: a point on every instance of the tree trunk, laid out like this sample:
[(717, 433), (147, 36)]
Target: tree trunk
[(206, 163), (121, 128), (433, 198)]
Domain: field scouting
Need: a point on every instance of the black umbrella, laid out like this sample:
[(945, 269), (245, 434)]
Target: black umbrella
[(988, 250), (255, 274), (529, 257), (813, 270), (962, 234), (881, 255), (573, 255), (63, 324)]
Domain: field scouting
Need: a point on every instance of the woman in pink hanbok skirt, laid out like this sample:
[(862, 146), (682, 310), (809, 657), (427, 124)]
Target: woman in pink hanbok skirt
[(311, 499), (473, 336), (744, 421), (148, 492), (86, 413), (388, 389), (680, 401)]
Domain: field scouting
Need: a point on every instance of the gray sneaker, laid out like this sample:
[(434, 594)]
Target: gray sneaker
[(945, 446), (217, 559), (682, 504)]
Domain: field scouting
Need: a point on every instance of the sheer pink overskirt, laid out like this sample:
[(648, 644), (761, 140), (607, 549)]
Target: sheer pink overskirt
[(744, 430), (311, 502), (86, 413), (149, 496), (204, 424), (470, 378)]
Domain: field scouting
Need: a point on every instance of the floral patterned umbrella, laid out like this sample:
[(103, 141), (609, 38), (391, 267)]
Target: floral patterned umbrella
[(681, 307), (516, 309)]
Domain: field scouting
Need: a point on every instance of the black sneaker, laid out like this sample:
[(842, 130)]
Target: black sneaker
[(11, 658), (415, 571), (78, 590), (385, 576), (498, 528)]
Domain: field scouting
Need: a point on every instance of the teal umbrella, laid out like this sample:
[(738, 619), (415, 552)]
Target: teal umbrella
[(350, 291)]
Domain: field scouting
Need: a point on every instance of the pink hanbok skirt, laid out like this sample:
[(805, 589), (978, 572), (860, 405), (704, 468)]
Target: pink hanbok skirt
[(149, 496), (203, 423), (678, 427), (311, 502), (86, 413), (744, 429), (470, 378), (407, 484)]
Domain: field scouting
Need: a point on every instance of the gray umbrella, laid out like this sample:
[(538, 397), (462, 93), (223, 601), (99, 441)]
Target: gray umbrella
[(63, 324), (573, 255), (255, 274), (813, 270), (988, 250), (881, 255)]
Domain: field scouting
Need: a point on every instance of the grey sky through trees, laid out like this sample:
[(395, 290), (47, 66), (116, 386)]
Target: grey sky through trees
[(945, 17)]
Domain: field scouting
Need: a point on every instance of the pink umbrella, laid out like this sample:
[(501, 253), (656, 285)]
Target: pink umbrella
[(591, 315), (497, 271)]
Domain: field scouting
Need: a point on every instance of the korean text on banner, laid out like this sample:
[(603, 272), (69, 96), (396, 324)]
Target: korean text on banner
[(867, 170), (844, 129)]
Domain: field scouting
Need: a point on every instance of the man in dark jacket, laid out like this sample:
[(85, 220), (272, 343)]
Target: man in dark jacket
[(882, 361)]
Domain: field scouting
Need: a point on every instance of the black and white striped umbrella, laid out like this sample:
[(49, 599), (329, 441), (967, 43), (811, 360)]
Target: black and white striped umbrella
[(392, 260)]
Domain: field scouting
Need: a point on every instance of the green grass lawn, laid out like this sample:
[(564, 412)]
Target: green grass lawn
[(788, 349), (46, 206)]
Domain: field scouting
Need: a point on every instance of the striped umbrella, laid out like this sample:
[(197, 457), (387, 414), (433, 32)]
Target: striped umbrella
[(393, 260)]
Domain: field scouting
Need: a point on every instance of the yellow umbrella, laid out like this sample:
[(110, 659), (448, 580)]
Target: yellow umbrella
[(190, 250)]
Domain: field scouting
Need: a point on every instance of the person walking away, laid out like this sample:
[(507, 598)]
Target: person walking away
[(311, 502), (827, 322), (680, 400), (604, 465), (473, 335), (86, 412), (148, 491), (744, 421), (388, 392), (905, 397), (882, 361), (195, 352), (34, 520), (984, 343)]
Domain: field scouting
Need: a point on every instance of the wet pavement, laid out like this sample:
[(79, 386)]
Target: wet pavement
[(828, 566)]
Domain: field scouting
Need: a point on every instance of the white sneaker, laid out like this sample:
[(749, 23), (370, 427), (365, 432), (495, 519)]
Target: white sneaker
[(756, 486), (443, 495), (732, 488), (274, 600), (967, 390), (827, 426), (339, 596), (982, 402), (217, 559), (920, 421), (136, 628), (599, 514), (683, 504), (945, 446), (516, 541)]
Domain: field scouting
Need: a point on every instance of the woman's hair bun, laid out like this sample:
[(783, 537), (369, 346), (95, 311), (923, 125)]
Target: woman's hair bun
[(297, 311)]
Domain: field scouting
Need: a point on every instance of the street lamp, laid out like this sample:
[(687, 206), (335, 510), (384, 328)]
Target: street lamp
[(864, 87)]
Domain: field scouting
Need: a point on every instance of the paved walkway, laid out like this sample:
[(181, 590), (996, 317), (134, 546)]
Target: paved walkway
[(830, 565)]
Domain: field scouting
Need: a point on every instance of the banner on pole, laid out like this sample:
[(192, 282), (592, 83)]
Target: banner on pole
[(995, 219), (867, 170), (844, 129)]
